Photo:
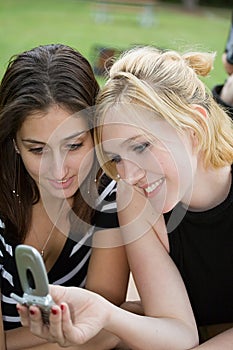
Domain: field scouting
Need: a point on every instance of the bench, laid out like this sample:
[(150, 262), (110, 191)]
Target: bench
[(104, 10), (102, 58)]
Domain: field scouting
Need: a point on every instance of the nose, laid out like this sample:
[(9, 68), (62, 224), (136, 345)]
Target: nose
[(59, 166), (131, 172)]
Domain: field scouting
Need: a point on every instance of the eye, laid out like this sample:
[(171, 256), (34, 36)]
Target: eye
[(116, 159), (141, 147), (74, 146), (36, 150)]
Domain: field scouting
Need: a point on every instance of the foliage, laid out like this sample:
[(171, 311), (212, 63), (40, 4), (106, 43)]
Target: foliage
[(210, 3)]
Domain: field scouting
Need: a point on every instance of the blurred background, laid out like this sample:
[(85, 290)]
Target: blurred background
[(101, 29)]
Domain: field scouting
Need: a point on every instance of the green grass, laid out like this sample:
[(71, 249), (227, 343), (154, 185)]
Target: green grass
[(28, 23)]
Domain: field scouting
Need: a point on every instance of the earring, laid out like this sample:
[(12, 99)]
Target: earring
[(16, 174), (118, 177), (89, 189), (16, 147)]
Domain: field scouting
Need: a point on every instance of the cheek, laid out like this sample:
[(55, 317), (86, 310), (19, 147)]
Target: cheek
[(83, 164), (120, 169), (183, 168), (32, 166), (159, 162)]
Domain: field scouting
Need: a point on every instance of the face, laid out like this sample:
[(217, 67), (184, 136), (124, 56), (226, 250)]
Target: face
[(156, 159), (57, 151), (228, 67)]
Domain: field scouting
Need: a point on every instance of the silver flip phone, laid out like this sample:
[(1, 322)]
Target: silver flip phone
[(34, 280)]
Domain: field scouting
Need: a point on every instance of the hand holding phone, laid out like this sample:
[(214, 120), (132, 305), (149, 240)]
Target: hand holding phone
[(34, 280)]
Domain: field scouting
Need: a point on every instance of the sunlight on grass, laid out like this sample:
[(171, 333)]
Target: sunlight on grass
[(26, 23)]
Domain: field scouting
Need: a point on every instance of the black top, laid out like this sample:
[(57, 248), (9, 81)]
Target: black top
[(202, 248), (216, 94)]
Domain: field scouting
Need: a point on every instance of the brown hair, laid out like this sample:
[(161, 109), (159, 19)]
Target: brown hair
[(34, 81)]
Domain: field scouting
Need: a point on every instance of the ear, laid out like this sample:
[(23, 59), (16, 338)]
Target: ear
[(200, 109), (202, 118), (16, 147)]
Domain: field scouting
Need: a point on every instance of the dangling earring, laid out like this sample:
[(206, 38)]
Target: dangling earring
[(89, 189), (16, 173)]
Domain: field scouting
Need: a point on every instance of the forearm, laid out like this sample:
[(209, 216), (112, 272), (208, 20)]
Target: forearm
[(222, 341), (2, 338), (2, 334), (2, 345), (102, 341), (48, 346), (151, 333), (168, 322), (22, 338)]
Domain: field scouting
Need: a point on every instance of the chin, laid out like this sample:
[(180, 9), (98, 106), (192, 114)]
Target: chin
[(169, 206)]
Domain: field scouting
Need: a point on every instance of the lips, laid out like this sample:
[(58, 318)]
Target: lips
[(153, 187), (62, 181), (61, 184)]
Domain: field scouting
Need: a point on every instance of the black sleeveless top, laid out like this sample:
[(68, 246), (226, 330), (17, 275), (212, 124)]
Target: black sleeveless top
[(202, 248)]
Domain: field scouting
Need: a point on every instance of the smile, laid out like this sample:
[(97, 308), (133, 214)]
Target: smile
[(153, 186), (62, 181), (62, 184)]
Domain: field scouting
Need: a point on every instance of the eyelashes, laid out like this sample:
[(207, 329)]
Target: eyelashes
[(74, 146), (116, 159), (36, 150), (69, 147), (138, 148), (141, 147)]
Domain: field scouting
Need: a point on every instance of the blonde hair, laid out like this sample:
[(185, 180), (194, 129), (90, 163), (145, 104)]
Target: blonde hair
[(167, 83)]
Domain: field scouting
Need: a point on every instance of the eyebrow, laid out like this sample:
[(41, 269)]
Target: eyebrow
[(65, 139), (126, 142), (131, 139)]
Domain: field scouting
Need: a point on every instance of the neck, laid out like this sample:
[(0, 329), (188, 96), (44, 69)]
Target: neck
[(210, 188)]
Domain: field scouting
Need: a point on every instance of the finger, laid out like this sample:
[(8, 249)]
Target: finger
[(72, 334), (24, 315), (78, 332), (55, 325), (37, 327)]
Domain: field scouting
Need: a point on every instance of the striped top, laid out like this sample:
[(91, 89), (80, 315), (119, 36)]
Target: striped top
[(70, 269)]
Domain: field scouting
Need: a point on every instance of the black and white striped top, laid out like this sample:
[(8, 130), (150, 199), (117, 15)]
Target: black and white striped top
[(71, 266)]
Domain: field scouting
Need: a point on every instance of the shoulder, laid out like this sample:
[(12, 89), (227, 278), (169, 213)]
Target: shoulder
[(107, 192), (6, 248), (216, 91), (106, 207)]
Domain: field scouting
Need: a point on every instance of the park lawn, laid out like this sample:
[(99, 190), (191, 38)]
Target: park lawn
[(28, 23)]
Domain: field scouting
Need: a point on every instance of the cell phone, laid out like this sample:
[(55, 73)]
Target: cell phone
[(34, 280)]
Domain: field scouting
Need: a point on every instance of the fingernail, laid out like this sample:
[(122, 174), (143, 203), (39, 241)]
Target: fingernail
[(54, 311), (62, 307), (32, 312)]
